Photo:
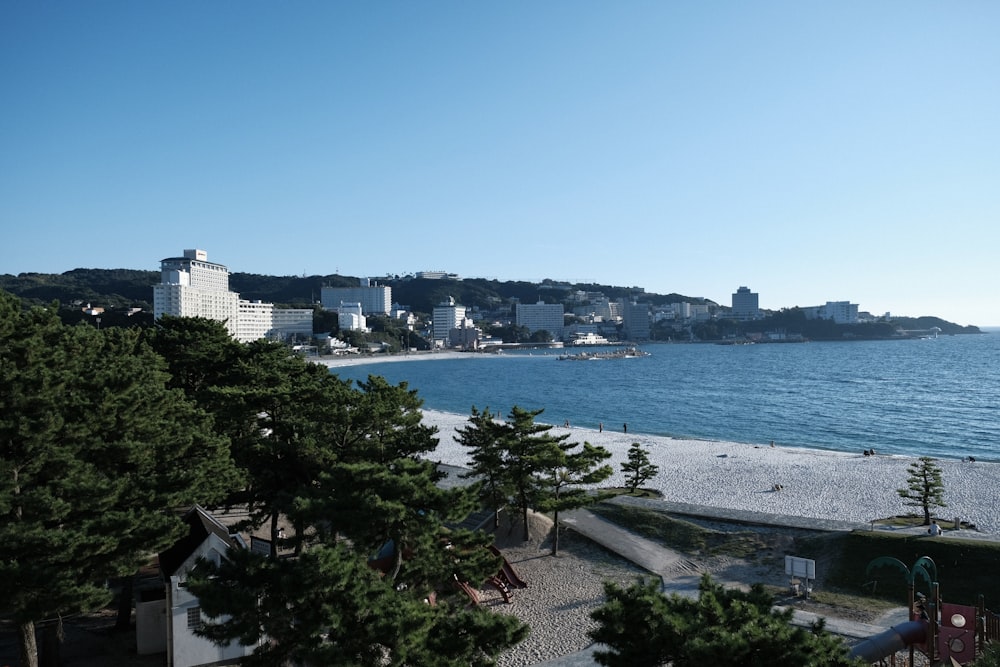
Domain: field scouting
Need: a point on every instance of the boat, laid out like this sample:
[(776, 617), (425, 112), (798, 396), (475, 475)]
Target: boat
[(580, 339)]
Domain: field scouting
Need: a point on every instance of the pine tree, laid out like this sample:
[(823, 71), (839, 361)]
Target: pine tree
[(924, 487), (726, 628), (96, 452), (565, 482), (638, 468), (368, 492), (530, 450), (484, 438)]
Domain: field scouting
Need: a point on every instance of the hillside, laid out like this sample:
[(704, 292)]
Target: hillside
[(129, 288)]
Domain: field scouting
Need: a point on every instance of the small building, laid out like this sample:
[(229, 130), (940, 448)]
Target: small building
[(168, 621)]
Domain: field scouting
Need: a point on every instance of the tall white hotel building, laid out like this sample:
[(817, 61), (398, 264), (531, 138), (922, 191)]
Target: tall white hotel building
[(191, 286)]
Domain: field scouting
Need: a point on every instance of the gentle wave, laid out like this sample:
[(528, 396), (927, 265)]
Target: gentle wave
[(920, 397)]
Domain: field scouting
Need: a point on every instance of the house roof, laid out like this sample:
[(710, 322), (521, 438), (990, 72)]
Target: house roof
[(200, 524)]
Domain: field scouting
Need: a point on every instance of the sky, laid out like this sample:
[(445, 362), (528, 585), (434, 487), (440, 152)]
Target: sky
[(813, 152)]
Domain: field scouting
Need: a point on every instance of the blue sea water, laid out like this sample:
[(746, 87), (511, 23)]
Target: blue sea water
[(935, 397)]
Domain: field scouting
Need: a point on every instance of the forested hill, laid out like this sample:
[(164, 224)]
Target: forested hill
[(119, 288), (124, 288)]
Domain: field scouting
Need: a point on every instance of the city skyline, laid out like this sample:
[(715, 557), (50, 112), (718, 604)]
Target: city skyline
[(813, 153)]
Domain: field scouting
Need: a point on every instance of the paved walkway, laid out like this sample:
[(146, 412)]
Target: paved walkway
[(676, 572)]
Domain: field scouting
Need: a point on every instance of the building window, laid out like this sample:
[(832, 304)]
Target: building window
[(194, 618)]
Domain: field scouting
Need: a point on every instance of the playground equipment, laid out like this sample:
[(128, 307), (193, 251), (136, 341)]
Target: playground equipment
[(943, 632)]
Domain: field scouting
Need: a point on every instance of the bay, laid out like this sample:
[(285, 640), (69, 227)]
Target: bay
[(935, 397)]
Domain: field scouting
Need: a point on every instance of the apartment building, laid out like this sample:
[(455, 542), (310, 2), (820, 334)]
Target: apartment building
[(541, 316), (446, 316), (746, 304), (374, 299)]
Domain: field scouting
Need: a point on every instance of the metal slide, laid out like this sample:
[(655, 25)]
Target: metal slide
[(896, 638)]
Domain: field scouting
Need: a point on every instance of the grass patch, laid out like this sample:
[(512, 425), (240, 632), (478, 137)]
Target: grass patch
[(680, 535), (966, 568), (624, 491), (862, 604)]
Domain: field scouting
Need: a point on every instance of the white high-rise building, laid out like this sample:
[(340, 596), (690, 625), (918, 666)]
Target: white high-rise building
[(191, 286), (374, 299), (447, 316)]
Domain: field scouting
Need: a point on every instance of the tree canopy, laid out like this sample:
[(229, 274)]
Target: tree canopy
[(642, 627), (96, 454), (637, 468), (520, 465), (924, 487)]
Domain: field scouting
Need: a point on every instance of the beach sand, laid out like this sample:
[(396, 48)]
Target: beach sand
[(815, 483), (563, 590)]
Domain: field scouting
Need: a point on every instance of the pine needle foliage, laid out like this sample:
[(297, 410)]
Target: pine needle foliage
[(642, 627), (924, 487)]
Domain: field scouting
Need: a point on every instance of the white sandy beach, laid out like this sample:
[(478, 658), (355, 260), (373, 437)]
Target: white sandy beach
[(815, 483)]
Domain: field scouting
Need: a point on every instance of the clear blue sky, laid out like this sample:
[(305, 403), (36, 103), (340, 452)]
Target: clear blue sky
[(811, 151)]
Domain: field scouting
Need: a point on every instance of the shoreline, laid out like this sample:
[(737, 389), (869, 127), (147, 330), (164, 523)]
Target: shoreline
[(815, 483), (341, 361)]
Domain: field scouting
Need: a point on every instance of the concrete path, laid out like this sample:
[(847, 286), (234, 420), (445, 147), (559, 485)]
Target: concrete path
[(677, 573)]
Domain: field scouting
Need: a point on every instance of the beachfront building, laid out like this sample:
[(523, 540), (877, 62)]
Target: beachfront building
[(746, 304), (841, 312), (350, 317), (374, 299), (446, 316), (466, 336), (635, 317), (437, 275), (191, 286), (541, 316)]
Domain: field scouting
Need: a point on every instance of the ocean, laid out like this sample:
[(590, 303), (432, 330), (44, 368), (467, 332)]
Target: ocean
[(935, 397)]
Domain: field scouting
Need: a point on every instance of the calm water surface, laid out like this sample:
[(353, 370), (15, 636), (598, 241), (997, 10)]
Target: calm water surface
[(938, 397)]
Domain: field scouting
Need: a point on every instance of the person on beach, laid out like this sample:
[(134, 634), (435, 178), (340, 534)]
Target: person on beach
[(624, 428), (600, 427)]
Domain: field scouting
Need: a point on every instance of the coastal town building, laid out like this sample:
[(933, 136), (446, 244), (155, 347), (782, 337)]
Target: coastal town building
[(541, 316), (841, 312), (746, 304), (374, 299), (191, 286), (635, 318), (437, 275), (168, 619), (350, 317), (466, 336), (446, 316)]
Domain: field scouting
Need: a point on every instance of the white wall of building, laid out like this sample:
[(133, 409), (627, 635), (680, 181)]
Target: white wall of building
[(373, 300), (184, 647), (350, 317), (447, 316), (191, 286)]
